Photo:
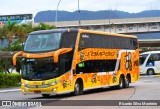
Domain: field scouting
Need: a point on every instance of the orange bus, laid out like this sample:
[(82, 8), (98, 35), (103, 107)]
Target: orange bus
[(74, 60)]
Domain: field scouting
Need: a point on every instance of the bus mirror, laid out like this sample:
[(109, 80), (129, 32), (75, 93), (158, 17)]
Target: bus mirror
[(15, 56), (60, 51)]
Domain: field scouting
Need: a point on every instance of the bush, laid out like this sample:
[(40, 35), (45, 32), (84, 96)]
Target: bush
[(9, 80)]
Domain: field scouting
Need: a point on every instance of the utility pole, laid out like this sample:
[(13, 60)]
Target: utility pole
[(79, 14), (56, 19)]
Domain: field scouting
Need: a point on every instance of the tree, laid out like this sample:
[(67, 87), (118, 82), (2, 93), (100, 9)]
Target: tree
[(43, 26), (3, 33), (10, 28)]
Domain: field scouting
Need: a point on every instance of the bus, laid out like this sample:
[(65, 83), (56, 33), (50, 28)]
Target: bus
[(18, 18), (63, 61), (150, 62)]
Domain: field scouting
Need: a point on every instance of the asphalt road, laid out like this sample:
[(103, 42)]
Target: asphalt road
[(148, 88)]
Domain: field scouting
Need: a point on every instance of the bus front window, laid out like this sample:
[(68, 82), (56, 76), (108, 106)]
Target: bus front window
[(39, 69), (142, 58), (42, 42)]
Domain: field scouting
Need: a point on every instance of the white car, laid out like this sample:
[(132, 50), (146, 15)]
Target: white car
[(150, 62)]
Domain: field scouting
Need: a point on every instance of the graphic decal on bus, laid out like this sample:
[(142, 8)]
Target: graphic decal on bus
[(81, 56), (128, 61), (94, 80)]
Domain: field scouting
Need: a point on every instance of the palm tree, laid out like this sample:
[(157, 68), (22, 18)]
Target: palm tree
[(28, 27), (10, 28), (3, 33), (43, 26)]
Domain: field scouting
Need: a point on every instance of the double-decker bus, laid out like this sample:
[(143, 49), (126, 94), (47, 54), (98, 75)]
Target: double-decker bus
[(75, 60), (19, 18)]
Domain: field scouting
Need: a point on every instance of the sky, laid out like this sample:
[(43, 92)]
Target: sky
[(9, 7)]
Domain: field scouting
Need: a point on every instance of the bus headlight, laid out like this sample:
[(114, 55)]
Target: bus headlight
[(54, 83), (24, 85), (54, 89)]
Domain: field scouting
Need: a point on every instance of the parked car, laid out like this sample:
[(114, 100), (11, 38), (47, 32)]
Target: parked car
[(150, 62)]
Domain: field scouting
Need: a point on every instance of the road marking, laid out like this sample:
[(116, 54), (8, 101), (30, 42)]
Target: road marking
[(12, 90)]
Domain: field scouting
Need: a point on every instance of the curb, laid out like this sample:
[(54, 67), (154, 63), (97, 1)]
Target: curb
[(11, 90)]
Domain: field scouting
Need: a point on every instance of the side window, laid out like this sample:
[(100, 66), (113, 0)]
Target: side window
[(85, 41), (151, 59), (135, 43), (96, 41), (69, 39), (156, 57), (93, 66), (65, 62), (106, 42)]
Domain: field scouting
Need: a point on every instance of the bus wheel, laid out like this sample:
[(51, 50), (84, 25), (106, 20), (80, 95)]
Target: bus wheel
[(127, 82), (121, 82), (46, 95), (78, 88), (150, 72)]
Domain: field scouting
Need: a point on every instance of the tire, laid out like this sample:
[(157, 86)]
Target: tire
[(78, 88), (127, 82), (150, 72), (46, 95), (121, 83)]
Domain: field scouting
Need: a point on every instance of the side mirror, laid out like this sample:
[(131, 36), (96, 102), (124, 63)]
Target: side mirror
[(15, 56)]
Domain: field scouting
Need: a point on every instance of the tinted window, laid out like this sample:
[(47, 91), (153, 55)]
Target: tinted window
[(69, 39), (142, 58), (152, 58), (104, 41), (92, 66), (85, 41)]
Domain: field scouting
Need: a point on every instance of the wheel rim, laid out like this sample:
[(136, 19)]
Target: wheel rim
[(150, 72), (127, 82), (120, 84), (77, 88)]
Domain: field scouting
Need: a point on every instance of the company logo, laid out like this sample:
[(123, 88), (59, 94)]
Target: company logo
[(6, 103)]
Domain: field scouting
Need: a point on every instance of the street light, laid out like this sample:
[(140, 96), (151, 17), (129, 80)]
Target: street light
[(79, 14), (57, 13)]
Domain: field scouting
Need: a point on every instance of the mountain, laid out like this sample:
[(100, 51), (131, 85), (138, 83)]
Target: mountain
[(49, 16)]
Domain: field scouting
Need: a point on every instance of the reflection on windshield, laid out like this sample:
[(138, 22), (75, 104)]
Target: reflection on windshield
[(42, 42), (39, 69), (142, 58)]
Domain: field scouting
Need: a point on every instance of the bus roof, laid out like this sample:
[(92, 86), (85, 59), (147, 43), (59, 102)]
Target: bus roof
[(149, 52), (15, 14), (107, 33), (53, 31), (81, 31)]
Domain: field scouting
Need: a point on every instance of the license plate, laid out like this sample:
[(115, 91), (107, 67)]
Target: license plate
[(37, 91), (37, 82)]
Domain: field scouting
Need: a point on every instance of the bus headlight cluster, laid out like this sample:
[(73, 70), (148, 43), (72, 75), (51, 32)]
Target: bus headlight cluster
[(54, 89), (24, 85), (54, 83)]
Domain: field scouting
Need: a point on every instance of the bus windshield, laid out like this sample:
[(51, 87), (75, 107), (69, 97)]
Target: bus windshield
[(42, 42), (39, 69), (142, 58)]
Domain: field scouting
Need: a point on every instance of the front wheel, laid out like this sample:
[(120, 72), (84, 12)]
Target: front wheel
[(150, 72), (78, 88)]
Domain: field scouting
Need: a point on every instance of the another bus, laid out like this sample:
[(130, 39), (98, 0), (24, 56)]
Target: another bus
[(150, 62), (75, 60), (19, 18)]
